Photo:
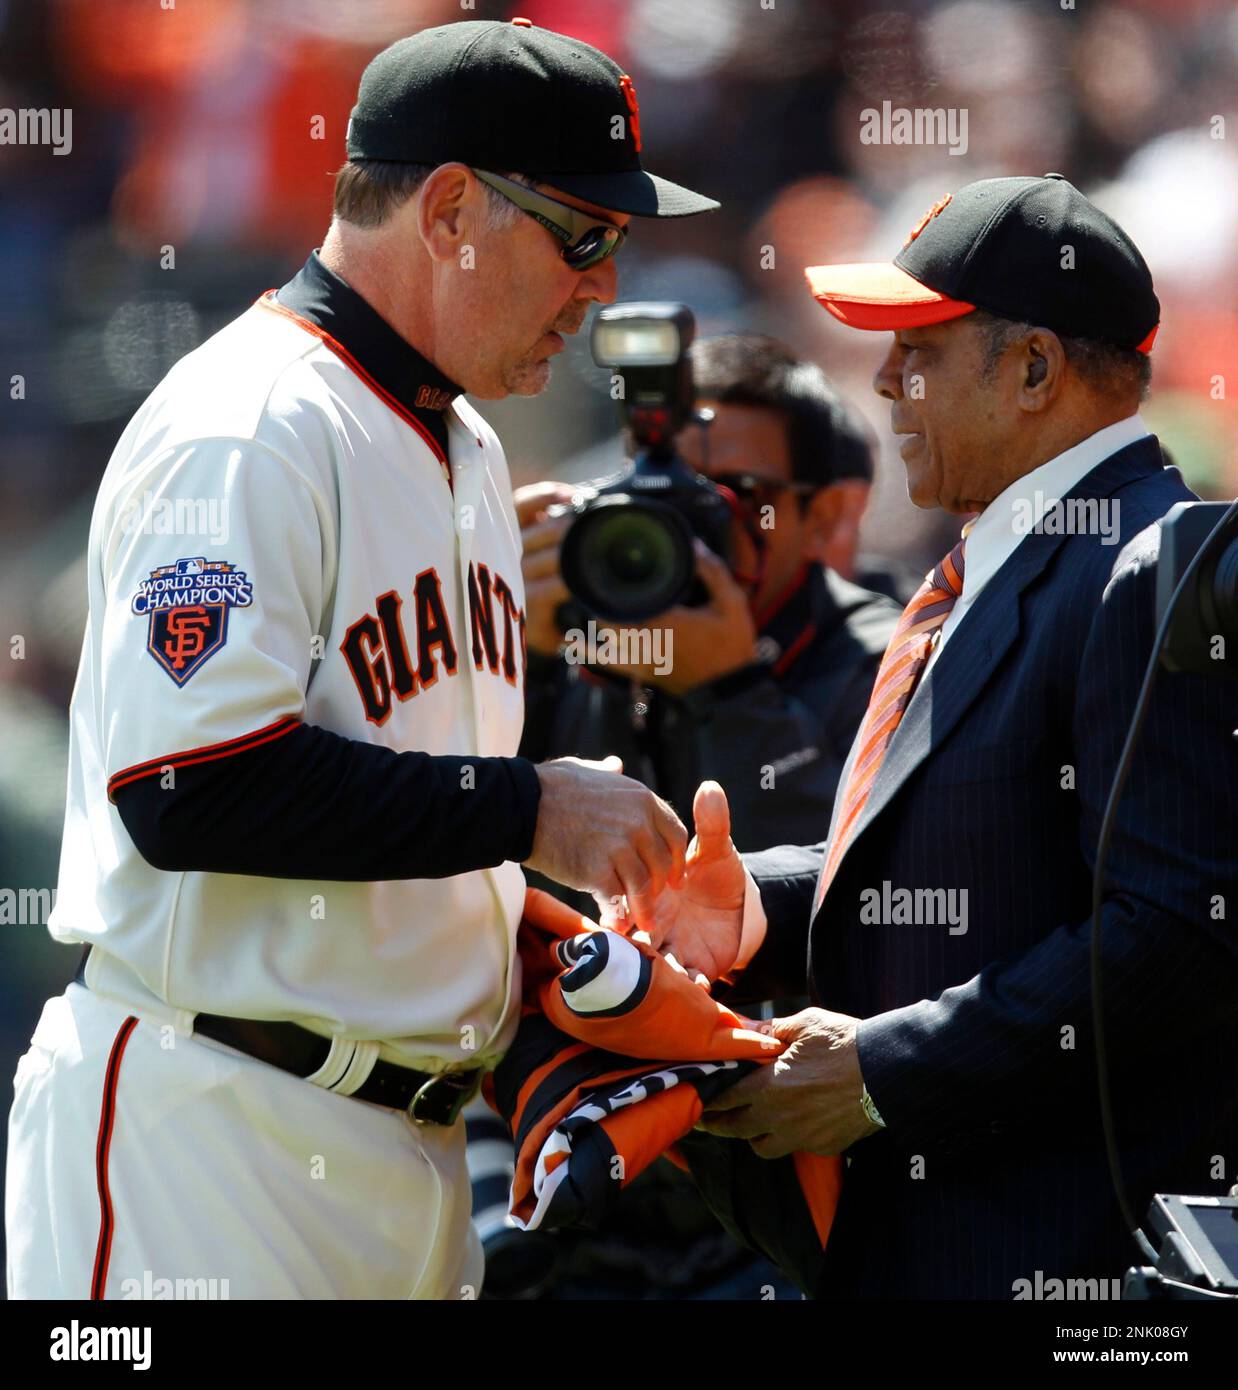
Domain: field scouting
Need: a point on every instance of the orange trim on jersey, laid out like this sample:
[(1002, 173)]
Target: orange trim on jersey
[(358, 370), (206, 754), (103, 1148)]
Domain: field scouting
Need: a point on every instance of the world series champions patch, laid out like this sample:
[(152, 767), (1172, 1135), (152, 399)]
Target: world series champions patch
[(188, 604)]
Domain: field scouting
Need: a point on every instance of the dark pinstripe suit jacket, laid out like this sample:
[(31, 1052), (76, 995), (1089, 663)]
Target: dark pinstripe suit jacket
[(977, 1044)]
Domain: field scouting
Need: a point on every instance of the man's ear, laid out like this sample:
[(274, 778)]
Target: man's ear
[(1043, 367), (444, 201), (832, 525)]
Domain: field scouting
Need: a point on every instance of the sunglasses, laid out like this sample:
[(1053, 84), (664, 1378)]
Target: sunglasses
[(586, 241), (751, 487)]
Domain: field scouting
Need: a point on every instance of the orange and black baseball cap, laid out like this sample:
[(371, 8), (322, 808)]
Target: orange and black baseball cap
[(1030, 249), (519, 98)]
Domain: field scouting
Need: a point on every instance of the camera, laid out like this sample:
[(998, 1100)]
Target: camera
[(1198, 1250), (628, 553)]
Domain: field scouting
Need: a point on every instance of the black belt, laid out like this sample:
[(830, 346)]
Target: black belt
[(430, 1098)]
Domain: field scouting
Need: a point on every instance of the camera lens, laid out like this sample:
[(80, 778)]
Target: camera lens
[(628, 557)]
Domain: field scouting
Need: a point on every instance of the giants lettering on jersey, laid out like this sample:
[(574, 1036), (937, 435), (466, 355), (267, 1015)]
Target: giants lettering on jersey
[(393, 654)]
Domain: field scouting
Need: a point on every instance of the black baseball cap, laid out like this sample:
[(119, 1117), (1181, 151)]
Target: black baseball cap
[(1002, 245), (513, 97)]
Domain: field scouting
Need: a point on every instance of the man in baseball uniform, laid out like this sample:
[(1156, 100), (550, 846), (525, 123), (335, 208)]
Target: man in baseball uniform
[(295, 819)]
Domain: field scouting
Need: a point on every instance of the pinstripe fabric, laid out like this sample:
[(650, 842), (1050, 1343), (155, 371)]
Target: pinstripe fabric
[(897, 677), (977, 1044)]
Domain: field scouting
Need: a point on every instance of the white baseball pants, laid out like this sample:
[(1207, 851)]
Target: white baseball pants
[(144, 1163)]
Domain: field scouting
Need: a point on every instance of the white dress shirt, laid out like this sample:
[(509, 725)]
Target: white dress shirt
[(993, 538), (996, 532)]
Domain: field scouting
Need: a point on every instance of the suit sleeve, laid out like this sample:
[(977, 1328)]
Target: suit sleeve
[(1016, 1042), (786, 879)]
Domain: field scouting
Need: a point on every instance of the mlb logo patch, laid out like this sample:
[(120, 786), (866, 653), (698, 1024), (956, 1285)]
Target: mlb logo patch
[(187, 604)]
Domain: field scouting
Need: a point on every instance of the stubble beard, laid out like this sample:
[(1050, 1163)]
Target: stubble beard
[(528, 377), (530, 374)]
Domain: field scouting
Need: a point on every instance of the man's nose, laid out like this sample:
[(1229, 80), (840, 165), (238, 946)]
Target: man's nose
[(888, 378), (600, 282)]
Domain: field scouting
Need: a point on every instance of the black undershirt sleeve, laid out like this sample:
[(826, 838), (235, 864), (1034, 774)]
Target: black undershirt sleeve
[(316, 805)]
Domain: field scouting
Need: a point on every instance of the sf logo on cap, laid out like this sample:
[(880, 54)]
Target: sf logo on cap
[(629, 95), (927, 218)]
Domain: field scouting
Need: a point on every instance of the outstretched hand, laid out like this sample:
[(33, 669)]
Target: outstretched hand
[(698, 922)]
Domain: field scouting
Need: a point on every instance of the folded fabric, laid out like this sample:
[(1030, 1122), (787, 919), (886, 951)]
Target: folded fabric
[(615, 1059)]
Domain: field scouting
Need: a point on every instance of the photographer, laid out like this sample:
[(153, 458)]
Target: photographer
[(762, 689), (765, 684)]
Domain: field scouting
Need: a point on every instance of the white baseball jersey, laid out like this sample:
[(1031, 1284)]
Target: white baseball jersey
[(277, 539)]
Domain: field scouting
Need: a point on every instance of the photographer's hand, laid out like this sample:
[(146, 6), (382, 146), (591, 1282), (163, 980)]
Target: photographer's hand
[(701, 644), (544, 589)]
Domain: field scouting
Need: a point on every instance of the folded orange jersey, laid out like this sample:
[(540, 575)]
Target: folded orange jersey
[(616, 1057)]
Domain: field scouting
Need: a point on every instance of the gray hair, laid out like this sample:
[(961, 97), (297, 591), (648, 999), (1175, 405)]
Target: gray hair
[(368, 191), (1108, 369)]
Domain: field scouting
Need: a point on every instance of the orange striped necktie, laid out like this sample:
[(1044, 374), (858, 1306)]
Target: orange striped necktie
[(897, 677)]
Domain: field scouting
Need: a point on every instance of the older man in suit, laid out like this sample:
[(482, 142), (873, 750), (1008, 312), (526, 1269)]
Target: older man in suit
[(946, 918)]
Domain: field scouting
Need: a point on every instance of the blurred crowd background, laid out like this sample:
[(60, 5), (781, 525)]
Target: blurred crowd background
[(196, 125)]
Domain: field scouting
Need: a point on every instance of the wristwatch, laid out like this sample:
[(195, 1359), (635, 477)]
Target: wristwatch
[(869, 1109)]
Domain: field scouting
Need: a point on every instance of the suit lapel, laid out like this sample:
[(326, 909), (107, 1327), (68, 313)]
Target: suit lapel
[(976, 647)]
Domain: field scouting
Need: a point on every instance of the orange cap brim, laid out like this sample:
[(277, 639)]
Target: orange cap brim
[(880, 296)]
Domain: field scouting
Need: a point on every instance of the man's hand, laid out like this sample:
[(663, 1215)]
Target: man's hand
[(702, 643), (606, 833), (544, 589), (807, 1099), (699, 923)]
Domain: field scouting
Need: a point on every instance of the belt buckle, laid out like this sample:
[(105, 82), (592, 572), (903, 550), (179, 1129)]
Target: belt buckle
[(421, 1107)]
